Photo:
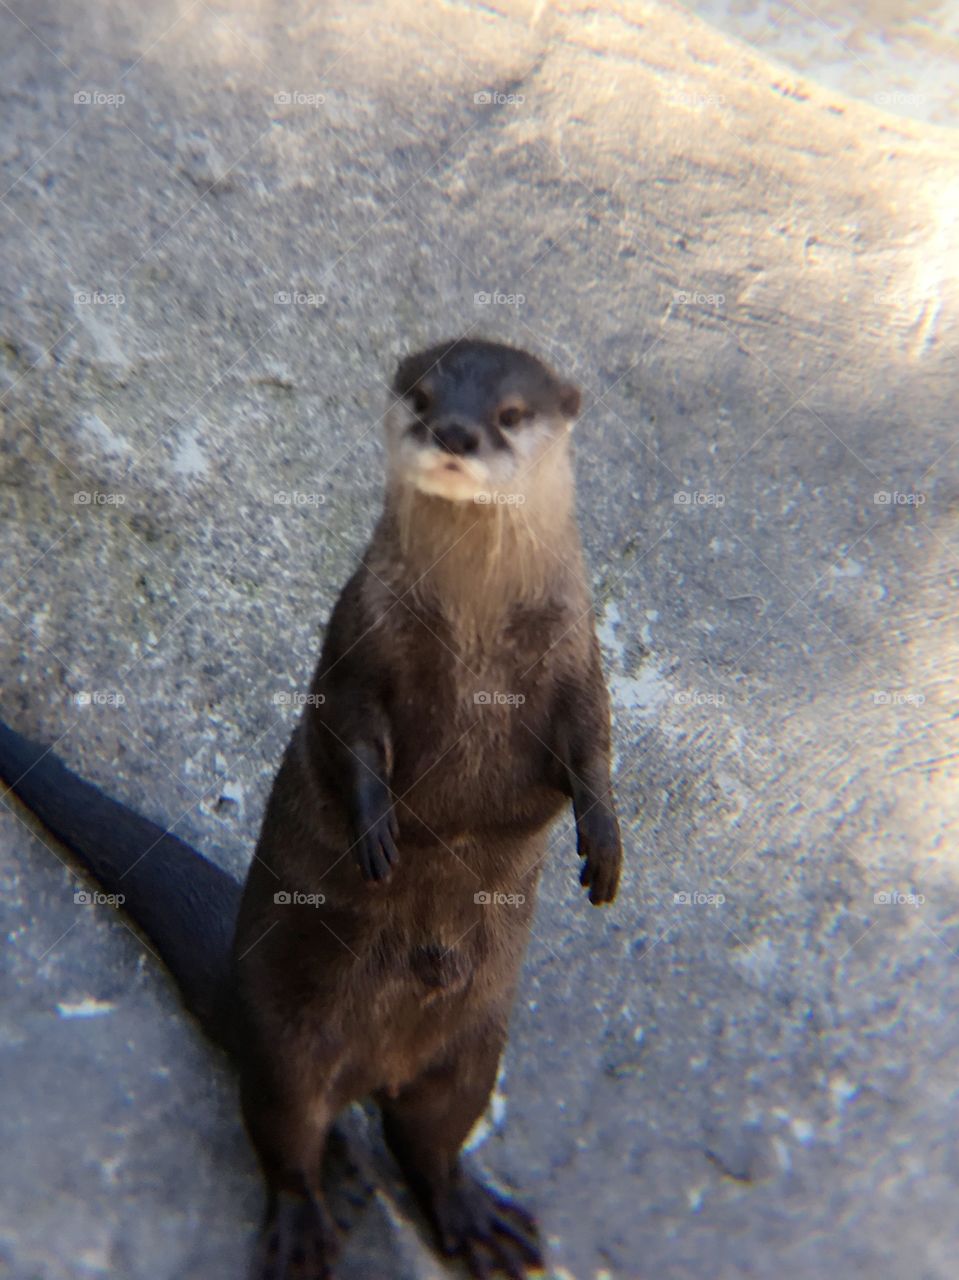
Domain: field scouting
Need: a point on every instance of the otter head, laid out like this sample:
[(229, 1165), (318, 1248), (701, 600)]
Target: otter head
[(473, 421)]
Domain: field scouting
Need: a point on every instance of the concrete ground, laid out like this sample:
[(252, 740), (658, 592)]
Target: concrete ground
[(899, 55), (221, 225)]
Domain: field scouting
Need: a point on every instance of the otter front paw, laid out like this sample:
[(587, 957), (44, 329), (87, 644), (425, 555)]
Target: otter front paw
[(598, 842), (375, 846)]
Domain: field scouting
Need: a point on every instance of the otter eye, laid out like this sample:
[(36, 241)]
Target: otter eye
[(511, 417), (419, 400)]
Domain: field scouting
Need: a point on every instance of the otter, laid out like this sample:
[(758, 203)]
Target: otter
[(458, 705)]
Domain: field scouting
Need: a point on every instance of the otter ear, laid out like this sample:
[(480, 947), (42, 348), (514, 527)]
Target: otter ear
[(570, 400)]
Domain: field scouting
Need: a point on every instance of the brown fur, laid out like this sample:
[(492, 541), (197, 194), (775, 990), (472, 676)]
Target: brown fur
[(401, 988)]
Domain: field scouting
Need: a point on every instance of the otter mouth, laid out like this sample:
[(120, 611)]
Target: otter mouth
[(450, 478)]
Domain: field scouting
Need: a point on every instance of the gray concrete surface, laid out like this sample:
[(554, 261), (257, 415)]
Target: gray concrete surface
[(900, 55), (748, 1066)]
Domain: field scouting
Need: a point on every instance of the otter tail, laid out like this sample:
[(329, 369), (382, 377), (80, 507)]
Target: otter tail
[(184, 904)]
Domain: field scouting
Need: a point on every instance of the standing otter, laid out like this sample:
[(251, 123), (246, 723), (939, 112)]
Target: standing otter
[(457, 706)]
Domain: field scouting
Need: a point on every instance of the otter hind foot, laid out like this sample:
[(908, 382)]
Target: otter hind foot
[(299, 1241), (492, 1234)]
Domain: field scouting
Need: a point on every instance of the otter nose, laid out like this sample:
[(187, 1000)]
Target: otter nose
[(457, 438)]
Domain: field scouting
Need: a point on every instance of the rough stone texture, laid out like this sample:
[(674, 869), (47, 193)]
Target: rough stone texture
[(694, 1088), (899, 55)]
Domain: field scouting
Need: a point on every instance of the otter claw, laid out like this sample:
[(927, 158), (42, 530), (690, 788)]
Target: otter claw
[(376, 851)]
